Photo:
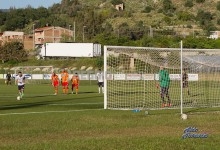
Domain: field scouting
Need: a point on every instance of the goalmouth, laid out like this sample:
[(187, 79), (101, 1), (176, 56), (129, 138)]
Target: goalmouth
[(131, 76)]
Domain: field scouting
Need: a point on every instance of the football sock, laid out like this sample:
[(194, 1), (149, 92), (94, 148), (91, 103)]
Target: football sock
[(20, 94), (66, 90)]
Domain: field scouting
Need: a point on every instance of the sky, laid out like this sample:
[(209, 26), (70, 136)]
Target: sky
[(6, 4)]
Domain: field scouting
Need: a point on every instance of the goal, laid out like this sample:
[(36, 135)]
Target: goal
[(35, 74), (131, 76)]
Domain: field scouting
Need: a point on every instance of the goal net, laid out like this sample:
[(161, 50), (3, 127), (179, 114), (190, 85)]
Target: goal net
[(131, 77), (35, 74)]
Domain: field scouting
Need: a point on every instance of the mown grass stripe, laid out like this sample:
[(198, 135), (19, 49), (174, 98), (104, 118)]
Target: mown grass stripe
[(43, 112)]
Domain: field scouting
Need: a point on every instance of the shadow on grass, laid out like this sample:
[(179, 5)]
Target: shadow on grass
[(43, 103), (121, 93)]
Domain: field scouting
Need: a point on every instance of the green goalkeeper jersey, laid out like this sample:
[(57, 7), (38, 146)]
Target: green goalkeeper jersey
[(164, 78)]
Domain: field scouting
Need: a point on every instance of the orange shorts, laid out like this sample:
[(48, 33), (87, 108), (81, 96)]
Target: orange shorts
[(55, 83), (75, 86), (64, 83)]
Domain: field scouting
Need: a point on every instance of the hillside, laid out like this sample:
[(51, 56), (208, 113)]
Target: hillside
[(158, 19), (101, 16), (135, 25)]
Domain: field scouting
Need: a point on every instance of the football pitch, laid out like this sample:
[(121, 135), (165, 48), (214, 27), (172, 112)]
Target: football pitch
[(42, 121)]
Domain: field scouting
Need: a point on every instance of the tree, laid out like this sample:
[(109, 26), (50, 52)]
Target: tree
[(218, 6), (116, 2), (185, 16), (168, 7), (188, 3), (13, 52), (200, 1), (167, 20), (2, 18), (218, 21), (147, 9), (205, 19)]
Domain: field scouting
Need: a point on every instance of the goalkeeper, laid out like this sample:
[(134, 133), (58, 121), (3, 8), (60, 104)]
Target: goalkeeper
[(164, 80)]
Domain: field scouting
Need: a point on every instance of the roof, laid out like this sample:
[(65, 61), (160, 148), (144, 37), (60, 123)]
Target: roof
[(43, 28), (48, 28), (5, 33)]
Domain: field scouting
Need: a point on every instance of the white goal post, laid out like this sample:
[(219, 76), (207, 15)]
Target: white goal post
[(131, 76)]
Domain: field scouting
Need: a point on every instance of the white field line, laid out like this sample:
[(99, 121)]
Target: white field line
[(75, 104), (44, 112), (204, 112)]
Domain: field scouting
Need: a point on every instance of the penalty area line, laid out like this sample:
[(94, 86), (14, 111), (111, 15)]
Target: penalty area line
[(44, 112), (57, 104)]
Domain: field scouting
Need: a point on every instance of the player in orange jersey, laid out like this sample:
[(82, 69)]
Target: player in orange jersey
[(55, 82), (65, 79), (75, 82)]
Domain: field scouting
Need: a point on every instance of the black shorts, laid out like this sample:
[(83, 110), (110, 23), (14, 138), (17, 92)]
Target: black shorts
[(20, 87), (185, 84), (164, 90), (8, 80), (101, 84)]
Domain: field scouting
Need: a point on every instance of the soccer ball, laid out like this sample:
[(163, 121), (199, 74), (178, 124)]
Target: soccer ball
[(184, 116), (18, 98)]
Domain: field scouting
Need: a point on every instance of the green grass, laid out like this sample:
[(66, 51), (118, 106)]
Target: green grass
[(202, 94), (79, 122)]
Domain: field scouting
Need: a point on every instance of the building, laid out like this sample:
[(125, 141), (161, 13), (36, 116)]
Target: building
[(51, 34), (41, 36), (214, 34), (9, 36), (119, 7)]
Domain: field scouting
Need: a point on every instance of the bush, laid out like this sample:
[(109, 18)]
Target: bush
[(167, 20), (218, 6), (168, 6), (185, 16), (189, 3), (147, 9), (218, 21), (100, 62), (116, 2), (200, 1)]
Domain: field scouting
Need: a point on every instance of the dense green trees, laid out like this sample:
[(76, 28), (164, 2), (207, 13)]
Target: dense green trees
[(200, 1), (99, 19), (189, 3), (116, 2), (13, 52), (20, 18), (218, 6), (185, 16), (168, 7), (101, 27), (205, 20)]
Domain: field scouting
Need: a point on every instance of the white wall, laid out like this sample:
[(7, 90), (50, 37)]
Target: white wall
[(71, 50)]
